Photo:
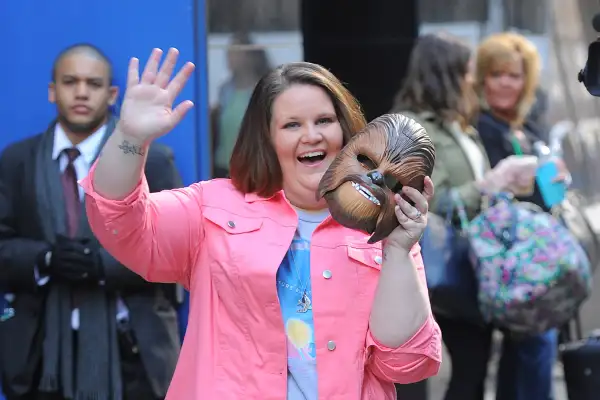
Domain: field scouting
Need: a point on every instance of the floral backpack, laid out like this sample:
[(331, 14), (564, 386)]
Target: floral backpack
[(532, 273)]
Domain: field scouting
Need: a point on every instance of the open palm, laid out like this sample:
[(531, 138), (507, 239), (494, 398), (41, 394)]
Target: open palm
[(147, 110)]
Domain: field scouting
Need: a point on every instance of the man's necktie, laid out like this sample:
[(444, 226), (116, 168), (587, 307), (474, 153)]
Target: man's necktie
[(71, 192)]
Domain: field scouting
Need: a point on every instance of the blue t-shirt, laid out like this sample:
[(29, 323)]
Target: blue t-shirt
[(295, 298)]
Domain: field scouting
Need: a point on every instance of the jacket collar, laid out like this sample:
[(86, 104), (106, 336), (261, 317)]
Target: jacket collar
[(254, 197)]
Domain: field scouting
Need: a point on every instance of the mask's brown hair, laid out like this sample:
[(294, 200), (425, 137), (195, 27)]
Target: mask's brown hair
[(408, 150), (400, 151), (254, 167), (493, 54), (435, 80)]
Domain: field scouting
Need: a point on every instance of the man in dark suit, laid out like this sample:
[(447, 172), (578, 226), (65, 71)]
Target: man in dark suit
[(84, 327)]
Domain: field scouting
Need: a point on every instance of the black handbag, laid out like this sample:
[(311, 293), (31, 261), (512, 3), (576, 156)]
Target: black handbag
[(449, 272), (581, 364)]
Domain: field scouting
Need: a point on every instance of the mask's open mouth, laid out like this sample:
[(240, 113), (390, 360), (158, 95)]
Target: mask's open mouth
[(366, 193)]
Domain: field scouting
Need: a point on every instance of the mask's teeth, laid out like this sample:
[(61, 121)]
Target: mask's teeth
[(366, 193)]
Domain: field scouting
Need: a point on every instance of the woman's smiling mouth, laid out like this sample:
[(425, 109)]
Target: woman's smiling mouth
[(312, 158)]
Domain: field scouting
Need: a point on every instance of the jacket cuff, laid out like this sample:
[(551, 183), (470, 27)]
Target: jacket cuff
[(88, 187), (112, 210), (418, 358)]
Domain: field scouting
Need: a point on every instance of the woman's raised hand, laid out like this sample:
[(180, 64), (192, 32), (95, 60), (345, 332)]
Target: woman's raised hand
[(147, 111)]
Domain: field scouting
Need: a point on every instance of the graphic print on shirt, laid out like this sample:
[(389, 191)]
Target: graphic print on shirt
[(293, 279)]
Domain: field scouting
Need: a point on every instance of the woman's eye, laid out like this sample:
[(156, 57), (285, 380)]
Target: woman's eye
[(366, 162), (291, 125), (322, 121)]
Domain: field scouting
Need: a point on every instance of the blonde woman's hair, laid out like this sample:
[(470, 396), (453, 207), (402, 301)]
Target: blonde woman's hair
[(500, 48)]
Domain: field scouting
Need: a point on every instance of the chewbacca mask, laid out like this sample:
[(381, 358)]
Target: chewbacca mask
[(392, 151)]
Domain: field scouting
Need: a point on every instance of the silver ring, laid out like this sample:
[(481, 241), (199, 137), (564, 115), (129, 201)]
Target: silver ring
[(419, 214)]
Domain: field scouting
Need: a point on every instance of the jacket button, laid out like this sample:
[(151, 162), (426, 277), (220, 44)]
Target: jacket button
[(86, 251), (114, 232), (231, 224), (331, 345), (378, 260), (327, 274)]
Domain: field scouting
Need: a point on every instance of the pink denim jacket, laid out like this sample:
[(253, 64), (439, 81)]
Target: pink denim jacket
[(226, 247)]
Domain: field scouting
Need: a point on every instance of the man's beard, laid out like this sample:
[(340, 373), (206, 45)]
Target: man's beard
[(86, 128)]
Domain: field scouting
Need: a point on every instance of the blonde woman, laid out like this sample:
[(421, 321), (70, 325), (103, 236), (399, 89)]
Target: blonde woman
[(438, 92), (507, 77)]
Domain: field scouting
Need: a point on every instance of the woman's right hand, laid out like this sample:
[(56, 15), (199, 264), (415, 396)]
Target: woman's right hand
[(515, 174), (147, 111)]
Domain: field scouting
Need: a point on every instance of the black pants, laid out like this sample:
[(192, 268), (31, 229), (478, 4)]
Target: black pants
[(134, 378), (413, 391), (469, 347)]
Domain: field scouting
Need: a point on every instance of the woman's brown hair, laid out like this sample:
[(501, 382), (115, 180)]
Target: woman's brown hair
[(498, 49), (254, 167), (435, 79)]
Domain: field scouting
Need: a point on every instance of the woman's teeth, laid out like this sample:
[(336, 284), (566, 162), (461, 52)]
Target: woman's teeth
[(314, 156)]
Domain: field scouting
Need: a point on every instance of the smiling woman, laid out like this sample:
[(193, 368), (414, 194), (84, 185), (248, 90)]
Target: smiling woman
[(306, 137), (270, 272), (508, 74), (310, 117)]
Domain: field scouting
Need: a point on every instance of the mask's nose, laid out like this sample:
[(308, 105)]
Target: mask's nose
[(376, 177)]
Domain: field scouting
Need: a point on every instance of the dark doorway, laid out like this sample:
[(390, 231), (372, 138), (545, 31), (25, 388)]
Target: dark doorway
[(364, 43), (367, 45)]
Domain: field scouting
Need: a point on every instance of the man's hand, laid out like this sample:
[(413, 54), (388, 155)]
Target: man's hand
[(73, 260)]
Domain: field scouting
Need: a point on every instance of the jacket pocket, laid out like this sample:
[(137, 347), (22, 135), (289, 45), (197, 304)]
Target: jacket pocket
[(231, 238), (230, 223), (367, 257)]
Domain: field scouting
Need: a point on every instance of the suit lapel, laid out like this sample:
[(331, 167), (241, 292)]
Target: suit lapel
[(84, 225)]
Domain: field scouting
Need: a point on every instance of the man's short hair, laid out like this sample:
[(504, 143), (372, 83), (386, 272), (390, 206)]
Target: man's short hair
[(84, 48)]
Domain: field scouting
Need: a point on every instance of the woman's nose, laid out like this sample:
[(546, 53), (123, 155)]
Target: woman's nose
[(376, 177), (312, 135), (505, 81)]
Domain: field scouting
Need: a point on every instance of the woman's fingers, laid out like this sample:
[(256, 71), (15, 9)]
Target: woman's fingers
[(428, 189), (411, 212), (562, 177), (152, 75), (167, 68), (420, 201), (133, 72), (180, 111), (176, 85), (151, 69)]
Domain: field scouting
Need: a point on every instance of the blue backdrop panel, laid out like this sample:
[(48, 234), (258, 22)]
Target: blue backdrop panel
[(33, 32)]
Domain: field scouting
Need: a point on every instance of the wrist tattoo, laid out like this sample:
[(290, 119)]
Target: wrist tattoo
[(385, 255), (130, 148)]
